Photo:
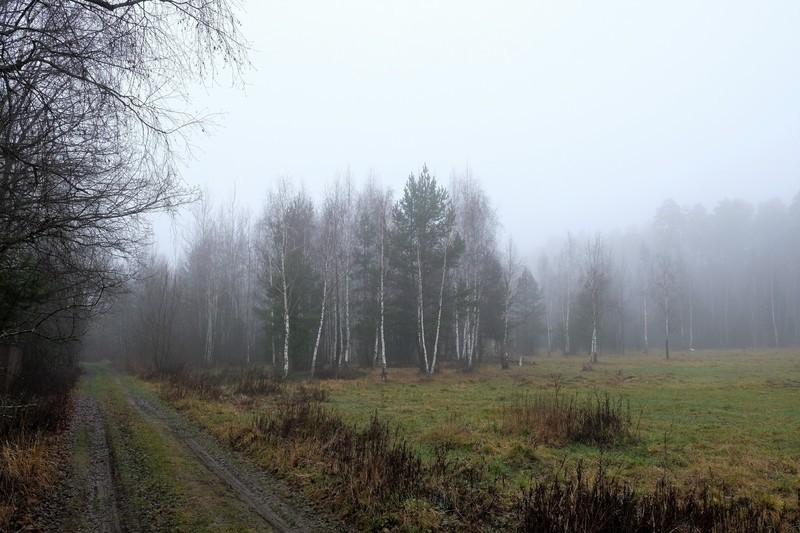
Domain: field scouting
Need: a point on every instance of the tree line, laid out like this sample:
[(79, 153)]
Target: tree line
[(364, 278), (692, 278), (91, 114)]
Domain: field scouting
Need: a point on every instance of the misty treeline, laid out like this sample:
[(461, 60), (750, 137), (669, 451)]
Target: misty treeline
[(92, 114), (690, 279), (364, 277), (359, 278)]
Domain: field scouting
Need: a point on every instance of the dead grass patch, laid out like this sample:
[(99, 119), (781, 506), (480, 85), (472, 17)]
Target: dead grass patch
[(548, 418), (27, 470)]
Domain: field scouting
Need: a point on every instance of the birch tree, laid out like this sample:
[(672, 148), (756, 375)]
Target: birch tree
[(566, 266), (287, 254), (476, 223), (595, 284), (548, 279), (664, 284), (512, 267), (328, 230)]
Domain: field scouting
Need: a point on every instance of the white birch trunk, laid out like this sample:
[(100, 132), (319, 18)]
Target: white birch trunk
[(383, 276), (457, 332), (375, 352), (347, 312), (439, 316), (321, 321), (504, 362), (421, 312), (285, 288)]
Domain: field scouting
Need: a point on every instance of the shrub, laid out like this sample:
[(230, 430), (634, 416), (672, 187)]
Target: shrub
[(257, 381), (184, 381), (547, 419), (604, 505)]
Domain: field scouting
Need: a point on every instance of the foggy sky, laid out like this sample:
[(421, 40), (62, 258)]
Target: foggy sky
[(574, 115)]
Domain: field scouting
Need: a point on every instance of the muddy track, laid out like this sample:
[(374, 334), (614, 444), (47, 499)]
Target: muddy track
[(97, 497), (101, 511), (279, 507), (274, 510)]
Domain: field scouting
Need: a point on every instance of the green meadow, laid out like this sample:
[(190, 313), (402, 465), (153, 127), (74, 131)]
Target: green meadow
[(729, 420)]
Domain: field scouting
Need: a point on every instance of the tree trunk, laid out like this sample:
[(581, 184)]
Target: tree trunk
[(383, 275), (457, 331), (321, 322), (347, 339), (211, 316), (772, 304), (421, 314), (645, 325), (504, 355), (285, 288), (439, 316), (549, 327), (666, 330), (691, 325)]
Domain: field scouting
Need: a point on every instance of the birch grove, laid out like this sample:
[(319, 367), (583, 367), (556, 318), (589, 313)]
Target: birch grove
[(368, 281)]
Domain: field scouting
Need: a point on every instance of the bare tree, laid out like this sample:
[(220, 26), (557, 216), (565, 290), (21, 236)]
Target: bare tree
[(277, 224), (329, 229), (160, 297), (596, 267), (664, 287), (88, 126), (512, 268), (566, 266), (547, 277), (476, 223)]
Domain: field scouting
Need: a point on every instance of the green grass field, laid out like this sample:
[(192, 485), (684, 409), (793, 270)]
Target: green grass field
[(470, 445), (726, 419)]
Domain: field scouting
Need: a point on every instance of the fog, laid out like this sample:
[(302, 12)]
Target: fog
[(574, 117)]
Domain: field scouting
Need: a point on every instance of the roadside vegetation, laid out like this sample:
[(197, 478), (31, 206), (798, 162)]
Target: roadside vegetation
[(32, 413), (704, 441)]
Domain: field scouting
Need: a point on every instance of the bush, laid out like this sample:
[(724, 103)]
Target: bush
[(257, 381), (184, 381), (605, 505), (548, 419)]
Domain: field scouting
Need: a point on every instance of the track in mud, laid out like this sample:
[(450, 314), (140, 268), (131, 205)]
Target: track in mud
[(97, 499), (242, 484), (100, 511)]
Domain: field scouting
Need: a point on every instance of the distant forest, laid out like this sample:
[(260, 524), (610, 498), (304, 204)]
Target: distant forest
[(366, 279)]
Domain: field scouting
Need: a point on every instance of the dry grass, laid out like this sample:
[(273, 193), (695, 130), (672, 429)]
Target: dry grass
[(480, 449), (545, 418), (27, 470)]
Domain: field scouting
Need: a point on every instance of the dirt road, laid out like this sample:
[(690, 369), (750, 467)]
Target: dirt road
[(137, 465)]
